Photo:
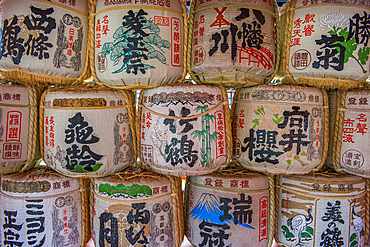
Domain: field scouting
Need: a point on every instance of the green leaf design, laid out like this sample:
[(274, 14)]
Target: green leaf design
[(353, 237), (303, 153), (296, 157), (363, 55), (256, 122), (81, 169), (354, 243), (309, 230), (288, 234), (289, 162), (306, 235)]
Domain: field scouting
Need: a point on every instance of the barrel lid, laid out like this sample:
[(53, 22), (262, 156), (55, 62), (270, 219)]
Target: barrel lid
[(139, 4), (39, 182), (242, 182), (14, 95), (85, 98), (137, 187), (324, 184), (160, 98), (282, 93), (358, 99)]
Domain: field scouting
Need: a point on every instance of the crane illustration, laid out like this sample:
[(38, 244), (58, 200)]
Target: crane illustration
[(299, 223), (358, 224)]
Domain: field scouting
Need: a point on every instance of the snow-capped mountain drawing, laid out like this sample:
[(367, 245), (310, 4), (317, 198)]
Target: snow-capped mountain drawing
[(208, 209)]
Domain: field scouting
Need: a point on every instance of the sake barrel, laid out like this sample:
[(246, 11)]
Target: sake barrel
[(87, 131), (321, 210), (138, 209), (352, 140), (232, 43), (280, 129), (325, 43), (228, 209), (44, 41), (18, 129), (184, 129), (43, 208), (139, 43)]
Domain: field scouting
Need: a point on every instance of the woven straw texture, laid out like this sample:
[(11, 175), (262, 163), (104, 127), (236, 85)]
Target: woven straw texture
[(45, 174), (187, 172), (235, 171), (286, 20), (347, 199), (40, 80), (233, 78), (129, 99), (91, 48), (33, 154), (136, 172), (275, 169)]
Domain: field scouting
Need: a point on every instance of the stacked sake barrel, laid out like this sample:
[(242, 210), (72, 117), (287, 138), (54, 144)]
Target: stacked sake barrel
[(322, 46)]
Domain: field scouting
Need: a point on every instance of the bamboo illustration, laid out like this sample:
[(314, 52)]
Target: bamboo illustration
[(206, 136)]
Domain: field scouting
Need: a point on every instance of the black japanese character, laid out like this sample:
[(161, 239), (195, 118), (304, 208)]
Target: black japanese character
[(261, 146), (332, 238), (330, 55), (79, 131), (211, 238), (140, 215), (295, 121), (11, 44), (183, 154), (294, 138), (41, 21), (37, 47), (76, 156), (108, 231), (134, 238), (241, 214), (225, 208), (359, 26), (333, 214)]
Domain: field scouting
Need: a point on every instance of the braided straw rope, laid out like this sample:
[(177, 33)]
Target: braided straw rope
[(337, 143), (85, 212), (221, 78), (139, 171), (228, 134), (83, 88), (332, 94), (367, 210), (91, 47), (40, 80), (33, 143), (319, 82)]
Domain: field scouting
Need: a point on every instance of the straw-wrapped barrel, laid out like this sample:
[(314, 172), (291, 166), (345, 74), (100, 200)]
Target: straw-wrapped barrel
[(325, 43), (137, 208), (18, 128), (232, 201), (232, 42), (44, 41), (87, 131), (280, 128), (43, 208), (352, 138), (184, 130), (321, 210), (139, 43)]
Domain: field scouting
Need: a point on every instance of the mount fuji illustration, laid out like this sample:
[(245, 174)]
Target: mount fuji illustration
[(208, 209)]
